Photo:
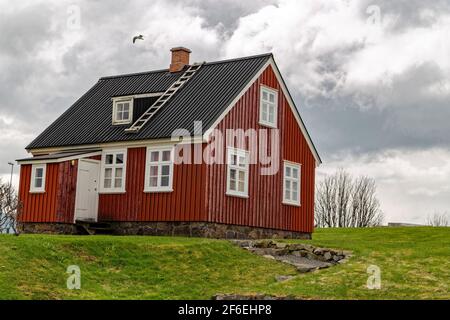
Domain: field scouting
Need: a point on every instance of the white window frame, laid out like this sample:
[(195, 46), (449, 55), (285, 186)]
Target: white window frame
[(34, 167), (266, 122), (130, 114), (292, 165), (159, 164), (113, 166), (239, 153)]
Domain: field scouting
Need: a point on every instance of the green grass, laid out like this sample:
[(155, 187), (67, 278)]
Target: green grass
[(414, 262)]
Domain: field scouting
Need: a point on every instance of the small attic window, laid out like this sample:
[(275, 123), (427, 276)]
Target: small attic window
[(122, 111)]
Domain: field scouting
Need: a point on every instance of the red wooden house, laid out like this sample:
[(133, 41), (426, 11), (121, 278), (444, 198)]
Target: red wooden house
[(141, 154)]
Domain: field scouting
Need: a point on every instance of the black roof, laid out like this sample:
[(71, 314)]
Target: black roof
[(204, 97)]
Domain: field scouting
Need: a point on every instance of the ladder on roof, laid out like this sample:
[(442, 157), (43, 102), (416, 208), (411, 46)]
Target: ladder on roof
[(162, 100)]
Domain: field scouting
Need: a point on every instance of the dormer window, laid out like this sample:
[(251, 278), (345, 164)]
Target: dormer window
[(122, 111)]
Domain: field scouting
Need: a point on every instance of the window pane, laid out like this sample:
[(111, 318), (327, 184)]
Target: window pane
[(38, 183), (271, 97), (265, 95), (165, 170), (233, 185), (154, 171), (288, 171), (233, 161), (118, 182), (241, 175), (287, 195), (39, 172), (295, 173), (166, 156), (233, 174), (294, 186), (153, 181), (294, 196), (287, 185), (241, 186), (126, 107), (126, 115), (242, 161), (119, 172), (164, 181), (109, 159), (119, 107), (119, 158), (154, 156), (107, 183), (108, 173)]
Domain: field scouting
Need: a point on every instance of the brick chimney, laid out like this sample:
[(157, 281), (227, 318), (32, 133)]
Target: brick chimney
[(180, 58)]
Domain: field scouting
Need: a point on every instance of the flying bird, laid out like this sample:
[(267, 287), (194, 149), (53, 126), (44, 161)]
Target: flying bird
[(139, 37)]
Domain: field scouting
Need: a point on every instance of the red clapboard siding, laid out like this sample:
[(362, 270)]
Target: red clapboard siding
[(38, 207), (57, 204), (185, 203), (264, 206)]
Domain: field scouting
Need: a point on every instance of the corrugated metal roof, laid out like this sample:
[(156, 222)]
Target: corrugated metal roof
[(203, 98)]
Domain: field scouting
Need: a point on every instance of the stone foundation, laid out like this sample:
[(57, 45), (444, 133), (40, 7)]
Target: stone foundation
[(185, 229), (47, 228), (203, 230)]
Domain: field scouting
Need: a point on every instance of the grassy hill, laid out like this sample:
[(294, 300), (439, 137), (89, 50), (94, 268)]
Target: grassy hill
[(414, 262)]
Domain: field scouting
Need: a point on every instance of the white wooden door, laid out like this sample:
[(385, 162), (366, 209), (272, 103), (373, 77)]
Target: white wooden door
[(86, 200)]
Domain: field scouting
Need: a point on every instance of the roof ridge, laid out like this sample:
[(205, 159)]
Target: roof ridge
[(166, 70), (133, 74), (268, 54)]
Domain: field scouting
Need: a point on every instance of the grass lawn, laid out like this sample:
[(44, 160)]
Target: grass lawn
[(414, 262)]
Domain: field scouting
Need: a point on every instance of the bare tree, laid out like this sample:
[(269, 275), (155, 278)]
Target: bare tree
[(438, 219), (342, 201), (9, 208)]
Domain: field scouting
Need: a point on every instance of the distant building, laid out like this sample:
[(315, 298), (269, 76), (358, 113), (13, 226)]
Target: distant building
[(402, 224)]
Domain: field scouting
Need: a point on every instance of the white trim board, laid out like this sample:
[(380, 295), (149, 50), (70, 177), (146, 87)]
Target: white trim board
[(270, 62), (80, 156)]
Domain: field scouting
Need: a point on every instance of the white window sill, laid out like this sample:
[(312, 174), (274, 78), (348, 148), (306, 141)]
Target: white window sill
[(37, 191), (294, 204), (158, 190), (269, 125), (121, 123), (237, 195)]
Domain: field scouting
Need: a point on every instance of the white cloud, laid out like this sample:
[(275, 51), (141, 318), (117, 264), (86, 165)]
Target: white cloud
[(332, 48)]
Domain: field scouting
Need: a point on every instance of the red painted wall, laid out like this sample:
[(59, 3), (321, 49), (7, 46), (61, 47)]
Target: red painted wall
[(58, 202), (185, 203), (264, 206)]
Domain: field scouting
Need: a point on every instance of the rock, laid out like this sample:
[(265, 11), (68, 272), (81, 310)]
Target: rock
[(281, 245), (267, 256), (318, 251), (284, 278), (299, 253), (327, 256), (264, 244), (305, 268), (337, 258)]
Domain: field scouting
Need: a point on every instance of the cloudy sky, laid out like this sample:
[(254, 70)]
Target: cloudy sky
[(371, 78)]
